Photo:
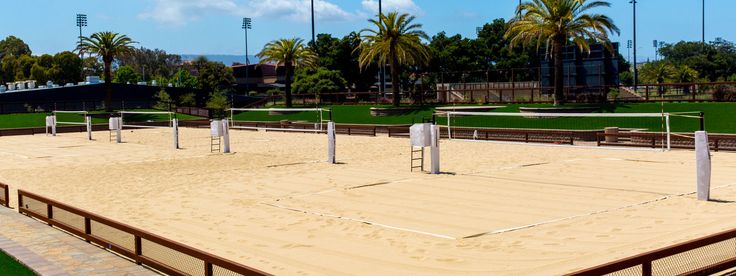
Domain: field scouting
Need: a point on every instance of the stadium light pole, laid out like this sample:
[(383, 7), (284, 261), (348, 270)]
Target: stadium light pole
[(247, 25), (703, 22), (314, 42), (81, 22), (636, 70)]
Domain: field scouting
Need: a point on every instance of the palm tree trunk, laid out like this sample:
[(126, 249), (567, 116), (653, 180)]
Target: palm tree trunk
[(108, 86), (395, 81), (287, 83), (557, 55)]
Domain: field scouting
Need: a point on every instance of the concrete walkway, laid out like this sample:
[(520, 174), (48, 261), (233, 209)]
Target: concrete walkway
[(49, 251)]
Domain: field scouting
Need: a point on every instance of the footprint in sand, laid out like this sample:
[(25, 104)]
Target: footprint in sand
[(449, 260)]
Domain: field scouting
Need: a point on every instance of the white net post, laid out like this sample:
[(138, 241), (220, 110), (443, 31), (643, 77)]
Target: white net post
[(175, 128), (669, 136), (88, 123), (331, 143), (225, 136), (703, 164), (435, 149), (449, 126), (51, 125), (115, 125)]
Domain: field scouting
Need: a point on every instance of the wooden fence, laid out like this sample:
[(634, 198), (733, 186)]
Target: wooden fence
[(703, 256), (4, 195), (143, 247)]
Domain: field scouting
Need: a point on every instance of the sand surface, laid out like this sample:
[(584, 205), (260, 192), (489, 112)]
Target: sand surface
[(275, 205)]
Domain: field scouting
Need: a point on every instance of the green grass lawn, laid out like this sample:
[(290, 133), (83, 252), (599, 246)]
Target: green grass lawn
[(26, 120), (9, 266), (719, 117)]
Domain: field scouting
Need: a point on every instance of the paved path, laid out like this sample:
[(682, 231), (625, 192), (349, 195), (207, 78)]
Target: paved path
[(49, 251)]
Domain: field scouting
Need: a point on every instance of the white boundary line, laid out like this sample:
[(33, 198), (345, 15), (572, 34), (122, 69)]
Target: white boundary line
[(501, 231), (361, 221)]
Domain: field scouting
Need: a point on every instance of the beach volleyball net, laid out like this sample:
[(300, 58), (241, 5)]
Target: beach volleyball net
[(280, 119), (653, 130), (147, 119), (71, 118)]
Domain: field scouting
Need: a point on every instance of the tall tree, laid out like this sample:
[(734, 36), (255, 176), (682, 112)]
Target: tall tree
[(155, 62), (126, 74), (290, 53), (396, 40), (555, 23), (68, 68), (13, 46), (108, 46), (214, 76), (339, 54)]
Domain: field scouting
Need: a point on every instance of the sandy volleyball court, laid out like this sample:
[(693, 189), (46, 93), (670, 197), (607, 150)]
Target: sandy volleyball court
[(275, 205)]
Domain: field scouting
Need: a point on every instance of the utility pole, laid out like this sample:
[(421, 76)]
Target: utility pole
[(314, 42), (636, 70), (247, 26)]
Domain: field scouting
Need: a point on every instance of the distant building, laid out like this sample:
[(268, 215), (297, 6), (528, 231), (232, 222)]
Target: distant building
[(260, 78), (584, 72)]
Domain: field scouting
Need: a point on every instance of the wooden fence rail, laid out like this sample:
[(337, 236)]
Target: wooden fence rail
[(703, 256), (140, 246), (4, 195)]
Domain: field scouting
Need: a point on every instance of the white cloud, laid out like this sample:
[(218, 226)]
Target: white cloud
[(179, 12), (407, 6)]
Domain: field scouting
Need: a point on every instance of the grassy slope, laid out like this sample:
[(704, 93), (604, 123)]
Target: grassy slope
[(9, 266), (25, 120)]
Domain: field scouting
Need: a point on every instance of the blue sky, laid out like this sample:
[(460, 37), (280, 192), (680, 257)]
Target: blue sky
[(213, 26)]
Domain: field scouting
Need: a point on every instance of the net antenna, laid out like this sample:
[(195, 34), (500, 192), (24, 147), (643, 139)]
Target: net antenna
[(555, 127), (173, 123), (59, 118), (319, 125)]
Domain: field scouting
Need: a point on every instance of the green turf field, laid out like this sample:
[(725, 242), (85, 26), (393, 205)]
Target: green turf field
[(9, 266), (26, 120), (720, 117)]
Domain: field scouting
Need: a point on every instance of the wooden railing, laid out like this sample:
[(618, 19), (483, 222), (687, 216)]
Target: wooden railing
[(143, 247), (718, 142), (4, 195), (703, 256)]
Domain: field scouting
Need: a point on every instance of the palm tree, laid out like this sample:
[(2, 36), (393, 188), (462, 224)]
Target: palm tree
[(108, 46), (556, 23), (658, 72), (396, 41), (290, 53)]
